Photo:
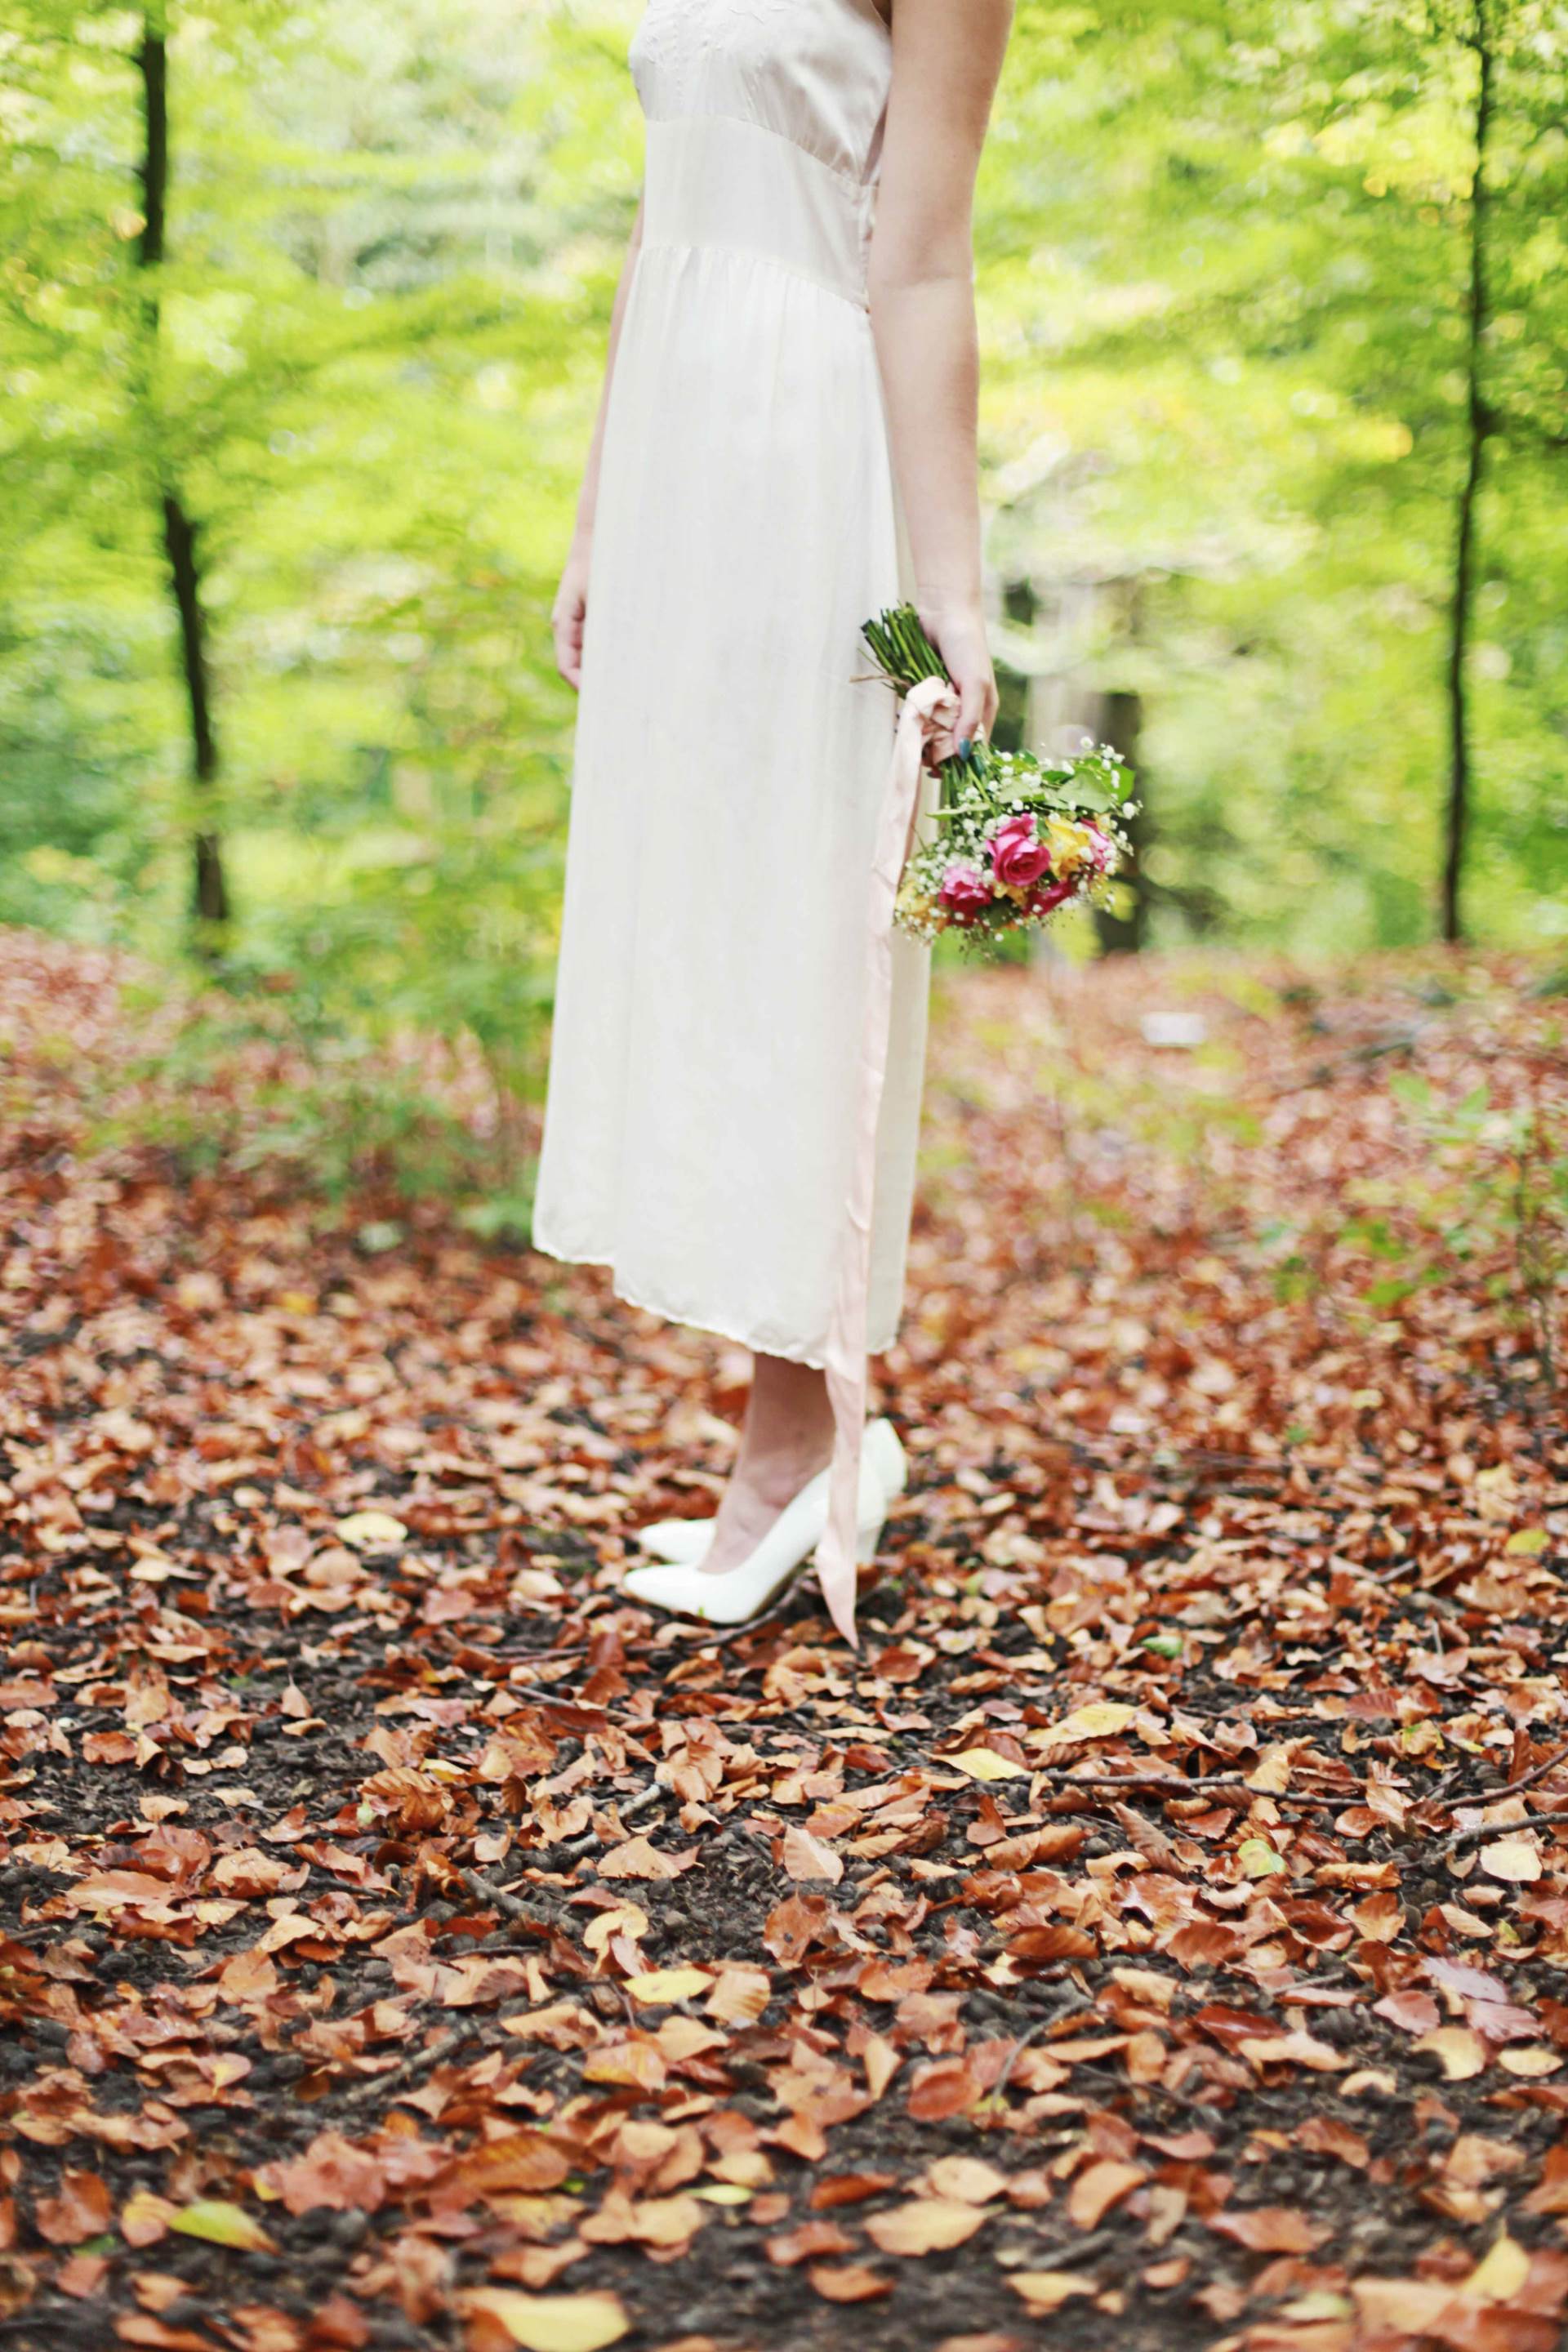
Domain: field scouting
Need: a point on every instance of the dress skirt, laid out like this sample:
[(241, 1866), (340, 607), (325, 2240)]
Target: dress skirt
[(733, 756)]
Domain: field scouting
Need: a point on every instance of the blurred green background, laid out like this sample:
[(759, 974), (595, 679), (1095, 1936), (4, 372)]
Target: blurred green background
[(1275, 441)]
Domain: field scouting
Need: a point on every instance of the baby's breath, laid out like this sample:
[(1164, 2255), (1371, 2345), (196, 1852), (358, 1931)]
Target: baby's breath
[(1014, 837)]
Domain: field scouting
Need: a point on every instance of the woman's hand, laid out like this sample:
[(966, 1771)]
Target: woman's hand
[(570, 612), (958, 633)]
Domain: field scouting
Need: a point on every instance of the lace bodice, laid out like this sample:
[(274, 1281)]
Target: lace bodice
[(814, 71)]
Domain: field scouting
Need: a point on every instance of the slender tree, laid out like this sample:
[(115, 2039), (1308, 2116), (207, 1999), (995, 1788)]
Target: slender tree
[(1477, 430), (210, 903)]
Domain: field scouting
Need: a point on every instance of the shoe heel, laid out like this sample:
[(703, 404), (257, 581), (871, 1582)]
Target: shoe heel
[(886, 1457)]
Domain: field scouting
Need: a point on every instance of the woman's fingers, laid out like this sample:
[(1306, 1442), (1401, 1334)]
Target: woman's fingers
[(958, 635), (972, 713), (567, 621), (977, 702), (570, 612)]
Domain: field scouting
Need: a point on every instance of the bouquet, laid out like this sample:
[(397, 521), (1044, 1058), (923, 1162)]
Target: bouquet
[(1014, 837)]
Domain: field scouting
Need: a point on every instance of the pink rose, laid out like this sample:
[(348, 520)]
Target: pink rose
[(1019, 856), (963, 892), (1099, 851), (1052, 895)]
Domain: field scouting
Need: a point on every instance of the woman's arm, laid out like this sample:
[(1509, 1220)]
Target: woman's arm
[(571, 596), (947, 56)]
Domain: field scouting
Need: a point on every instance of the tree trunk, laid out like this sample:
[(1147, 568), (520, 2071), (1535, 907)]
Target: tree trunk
[(1477, 428), (1127, 932), (210, 892), (211, 895)]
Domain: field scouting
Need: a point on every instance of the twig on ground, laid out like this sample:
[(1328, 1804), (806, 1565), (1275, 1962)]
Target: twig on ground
[(485, 1890), (479, 1884), (1098, 2242), (643, 1798), (534, 1657), (1440, 1795), (1480, 1836), (431, 2055), (1171, 1784), (998, 2089), (1438, 1792), (1536, 1772), (1071, 2005)]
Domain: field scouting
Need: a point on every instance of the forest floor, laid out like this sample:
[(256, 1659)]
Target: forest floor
[(1154, 1938)]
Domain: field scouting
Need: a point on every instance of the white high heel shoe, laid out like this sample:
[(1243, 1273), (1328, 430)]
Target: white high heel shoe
[(686, 1541), (740, 1595)]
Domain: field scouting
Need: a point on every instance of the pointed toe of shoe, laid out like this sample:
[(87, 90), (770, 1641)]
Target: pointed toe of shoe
[(665, 1587), (683, 1541), (686, 1591)]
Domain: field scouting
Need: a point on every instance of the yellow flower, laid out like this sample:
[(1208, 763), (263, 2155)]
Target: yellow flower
[(1068, 844)]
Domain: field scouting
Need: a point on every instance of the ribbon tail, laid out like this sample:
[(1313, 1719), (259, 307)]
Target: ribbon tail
[(844, 1353)]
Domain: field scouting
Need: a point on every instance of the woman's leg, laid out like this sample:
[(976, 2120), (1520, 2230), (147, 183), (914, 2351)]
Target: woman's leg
[(786, 1438)]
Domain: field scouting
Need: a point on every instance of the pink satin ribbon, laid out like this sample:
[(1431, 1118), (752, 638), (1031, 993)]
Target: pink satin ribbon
[(847, 1326)]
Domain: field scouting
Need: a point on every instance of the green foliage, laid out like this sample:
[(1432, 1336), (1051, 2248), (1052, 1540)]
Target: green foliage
[(1495, 1194), (249, 1081), (391, 248), (1223, 259)]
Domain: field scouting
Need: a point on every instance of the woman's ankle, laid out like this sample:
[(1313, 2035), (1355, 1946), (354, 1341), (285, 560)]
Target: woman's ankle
[(776, 1471)]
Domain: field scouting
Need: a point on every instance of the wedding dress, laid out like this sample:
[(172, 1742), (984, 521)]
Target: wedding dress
[(732, 754)]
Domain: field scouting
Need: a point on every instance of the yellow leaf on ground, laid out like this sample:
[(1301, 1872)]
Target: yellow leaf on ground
[(1271, 1773), (1049, 2289), (222, 2225), (551, 2323), (740, 1996), (650, 2220), (1458, 2051), (1321, 2302), (1534, 2059), (1097, 1720), (1258, 1859), (805, 1857), (627, 1919), (985, 1764), (638, 1859), (1515, 1859), (1499, 2274), (1298, 2049), (668, 1985), (881, 2062), (636, 2061), (927, 2225), (372, 1531), (848, 2283), (968, 2178), (1369, 2082), (1527, 1543)]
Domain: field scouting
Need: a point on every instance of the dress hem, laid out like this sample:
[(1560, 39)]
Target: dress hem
[(714, 1325)]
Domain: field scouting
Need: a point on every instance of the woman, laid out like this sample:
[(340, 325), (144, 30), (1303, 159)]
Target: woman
[(787, 445)]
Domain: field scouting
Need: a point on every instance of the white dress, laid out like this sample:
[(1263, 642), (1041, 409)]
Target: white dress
[(732, 759)]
